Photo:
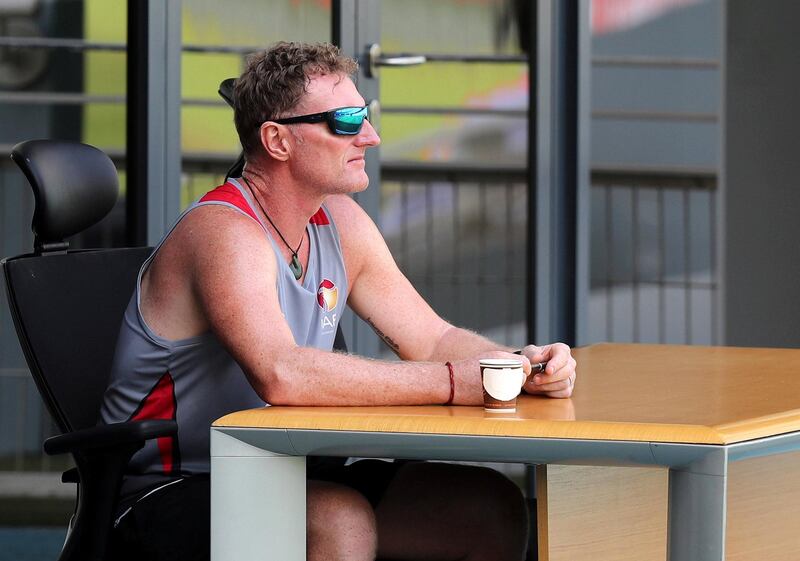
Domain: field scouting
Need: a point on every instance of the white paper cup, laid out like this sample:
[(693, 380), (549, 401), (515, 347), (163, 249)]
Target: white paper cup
[(502, 381)]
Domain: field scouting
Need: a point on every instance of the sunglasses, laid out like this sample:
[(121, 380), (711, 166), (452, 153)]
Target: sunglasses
[(344, 120)]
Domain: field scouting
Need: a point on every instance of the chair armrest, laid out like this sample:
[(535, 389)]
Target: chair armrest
[(71, 476), (104, 436), (101, 455)]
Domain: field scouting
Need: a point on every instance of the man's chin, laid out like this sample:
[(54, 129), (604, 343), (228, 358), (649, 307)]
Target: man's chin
[(351, 184), (360, 184)]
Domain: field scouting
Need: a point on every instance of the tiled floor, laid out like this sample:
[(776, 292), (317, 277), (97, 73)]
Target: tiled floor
[(30, 544)]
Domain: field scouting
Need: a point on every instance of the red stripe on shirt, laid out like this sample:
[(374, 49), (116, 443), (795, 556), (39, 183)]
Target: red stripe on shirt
[(319, 218), (228, 193), (160, 404)]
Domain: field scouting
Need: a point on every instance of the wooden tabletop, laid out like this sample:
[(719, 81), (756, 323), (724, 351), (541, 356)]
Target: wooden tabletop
[(657, 393)]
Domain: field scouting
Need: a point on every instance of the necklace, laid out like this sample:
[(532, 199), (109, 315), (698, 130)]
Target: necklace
[(295, 265)]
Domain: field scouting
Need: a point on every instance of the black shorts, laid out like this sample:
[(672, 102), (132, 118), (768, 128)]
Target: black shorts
[(172, 521)]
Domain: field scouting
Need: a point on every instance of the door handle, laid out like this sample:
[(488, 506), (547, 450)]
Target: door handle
[(375, 114), (376, 59)]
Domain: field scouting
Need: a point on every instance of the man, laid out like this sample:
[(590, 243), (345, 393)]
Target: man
[(238, 306)]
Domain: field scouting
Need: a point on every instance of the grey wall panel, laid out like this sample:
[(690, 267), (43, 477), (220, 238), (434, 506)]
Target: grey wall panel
[(761, 188)]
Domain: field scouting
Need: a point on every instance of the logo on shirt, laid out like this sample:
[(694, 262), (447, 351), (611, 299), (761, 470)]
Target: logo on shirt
[(327, 295)]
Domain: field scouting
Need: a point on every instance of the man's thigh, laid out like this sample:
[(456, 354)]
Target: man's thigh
[(170, 524), (371, 478), (174, 522)]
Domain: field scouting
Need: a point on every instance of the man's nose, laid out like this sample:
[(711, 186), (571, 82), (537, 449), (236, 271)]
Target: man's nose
[(368, 136)]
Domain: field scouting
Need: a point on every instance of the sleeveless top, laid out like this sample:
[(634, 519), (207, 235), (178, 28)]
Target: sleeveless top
[(195, 381)]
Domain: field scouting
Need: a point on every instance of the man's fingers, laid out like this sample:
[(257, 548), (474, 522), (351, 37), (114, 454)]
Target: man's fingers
[(557, 356), (560, 389), (557, 374), (554, 386), (536, 354), (558, 378), (562, 380)]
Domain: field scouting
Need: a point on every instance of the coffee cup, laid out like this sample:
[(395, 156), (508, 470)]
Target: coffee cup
[(502, 381)]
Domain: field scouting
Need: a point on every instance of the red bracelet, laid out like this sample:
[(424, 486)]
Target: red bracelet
[(452, 383)]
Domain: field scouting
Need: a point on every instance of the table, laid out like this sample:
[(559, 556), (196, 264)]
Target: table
[(678, 452)]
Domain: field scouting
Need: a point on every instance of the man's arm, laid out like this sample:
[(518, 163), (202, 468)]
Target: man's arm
[(384, 298), (234, 268)]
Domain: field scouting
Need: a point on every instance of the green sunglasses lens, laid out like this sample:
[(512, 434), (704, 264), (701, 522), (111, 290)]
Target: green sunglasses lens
[(348, 120)]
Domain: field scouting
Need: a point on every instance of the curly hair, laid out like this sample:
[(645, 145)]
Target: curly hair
[(275, 81)]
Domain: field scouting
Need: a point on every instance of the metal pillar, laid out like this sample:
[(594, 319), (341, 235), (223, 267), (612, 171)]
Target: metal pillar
[(558, 170), (697, 510), (758, 196), (153, 120)]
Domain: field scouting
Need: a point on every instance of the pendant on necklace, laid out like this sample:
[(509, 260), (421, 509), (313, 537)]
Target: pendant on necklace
[(296, 267)]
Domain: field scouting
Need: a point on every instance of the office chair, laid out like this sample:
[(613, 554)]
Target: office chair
[(67, 307)]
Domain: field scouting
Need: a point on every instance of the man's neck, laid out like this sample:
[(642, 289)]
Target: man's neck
[(288, 205)]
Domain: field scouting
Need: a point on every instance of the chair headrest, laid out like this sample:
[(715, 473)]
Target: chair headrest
[(74, 186), (226, 90)]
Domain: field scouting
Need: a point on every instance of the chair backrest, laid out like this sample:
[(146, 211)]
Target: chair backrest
[(67, 311), (67, 306)]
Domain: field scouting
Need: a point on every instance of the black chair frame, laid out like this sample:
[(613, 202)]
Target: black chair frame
[(67, 307)]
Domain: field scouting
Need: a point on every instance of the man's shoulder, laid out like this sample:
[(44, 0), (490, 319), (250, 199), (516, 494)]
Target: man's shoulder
[(360, 238), (346, 213), (217, 227), (227, 194), (209, 216), (214, 245), (341, 203)]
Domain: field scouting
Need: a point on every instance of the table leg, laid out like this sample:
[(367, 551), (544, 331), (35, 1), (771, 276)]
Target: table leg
[(697, 510), (258, 502)]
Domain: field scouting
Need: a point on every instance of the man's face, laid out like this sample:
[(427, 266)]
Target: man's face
[(325, 162)]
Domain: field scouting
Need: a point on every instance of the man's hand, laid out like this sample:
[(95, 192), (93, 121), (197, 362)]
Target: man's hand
[(558, 379), (468, 383)]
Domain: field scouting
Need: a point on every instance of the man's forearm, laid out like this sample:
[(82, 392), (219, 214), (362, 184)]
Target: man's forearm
[(306, 376), (458, 344)]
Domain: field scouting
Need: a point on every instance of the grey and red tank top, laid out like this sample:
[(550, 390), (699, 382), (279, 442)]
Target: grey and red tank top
[(195, 380)]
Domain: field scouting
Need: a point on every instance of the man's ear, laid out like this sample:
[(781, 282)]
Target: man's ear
[(274, 140)]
